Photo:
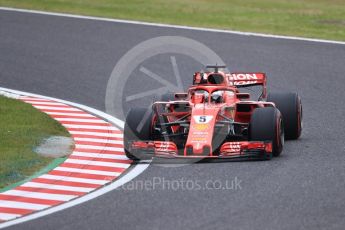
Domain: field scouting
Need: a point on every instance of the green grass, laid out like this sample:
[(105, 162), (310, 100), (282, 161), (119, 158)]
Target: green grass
[(22, 128), (308, 18)]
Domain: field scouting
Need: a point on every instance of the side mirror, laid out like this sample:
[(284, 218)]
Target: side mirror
[(243, 95), (198, 98), (181, 96)]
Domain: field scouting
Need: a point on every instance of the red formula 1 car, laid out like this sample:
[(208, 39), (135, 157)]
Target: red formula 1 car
[(214, 119)]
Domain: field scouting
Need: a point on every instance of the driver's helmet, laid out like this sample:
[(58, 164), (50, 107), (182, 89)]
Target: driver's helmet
[(217, 96)]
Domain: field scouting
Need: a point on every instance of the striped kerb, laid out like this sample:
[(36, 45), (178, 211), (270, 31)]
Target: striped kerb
[(98, 159)]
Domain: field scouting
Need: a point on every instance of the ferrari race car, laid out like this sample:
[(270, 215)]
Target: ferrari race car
[(215, 119)]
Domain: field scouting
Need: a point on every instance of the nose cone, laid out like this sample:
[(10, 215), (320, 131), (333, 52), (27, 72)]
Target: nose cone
[(199, 141)]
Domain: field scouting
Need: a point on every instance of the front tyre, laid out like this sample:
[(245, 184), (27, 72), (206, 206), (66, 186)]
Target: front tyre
[(138, 127), (266, 124)]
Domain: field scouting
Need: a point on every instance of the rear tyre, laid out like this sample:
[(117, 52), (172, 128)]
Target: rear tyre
[(290, 105), (266, 124), (138, 127)]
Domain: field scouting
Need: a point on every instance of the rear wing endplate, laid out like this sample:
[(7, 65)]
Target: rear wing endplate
[(241, 80)]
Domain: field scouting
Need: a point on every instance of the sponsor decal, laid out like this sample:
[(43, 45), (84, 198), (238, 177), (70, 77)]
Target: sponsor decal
[(199, 139), (201, 127), (203, 119), (200, 133), (243, 83), (243, 77)]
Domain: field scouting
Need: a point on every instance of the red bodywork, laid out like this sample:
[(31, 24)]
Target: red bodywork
[(198, 116)]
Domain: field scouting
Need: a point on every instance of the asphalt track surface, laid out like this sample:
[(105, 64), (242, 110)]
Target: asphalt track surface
[(72, 59)]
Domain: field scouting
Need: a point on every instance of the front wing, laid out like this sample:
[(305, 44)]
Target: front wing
[(228, 150)]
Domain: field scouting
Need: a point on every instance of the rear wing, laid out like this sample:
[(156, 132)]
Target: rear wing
[(246, 79), (240, 80)]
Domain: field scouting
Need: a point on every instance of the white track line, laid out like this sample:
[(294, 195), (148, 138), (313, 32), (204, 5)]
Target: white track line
[(23, 205), (106, 128), (86, 171), (101, 141), (58, 187), (98, 163), (39, 195), (34, 99), (99, 155), (172, 26), (105, 134), (98, 148), (70, 114), (131, 174), (38, 103), (57, 108), (6, 216), (74, 179), (128, 177), (80, 120)]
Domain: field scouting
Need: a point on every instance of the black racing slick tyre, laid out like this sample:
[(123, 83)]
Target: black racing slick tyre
[(266, 124), (290, 105), (138, 127)]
